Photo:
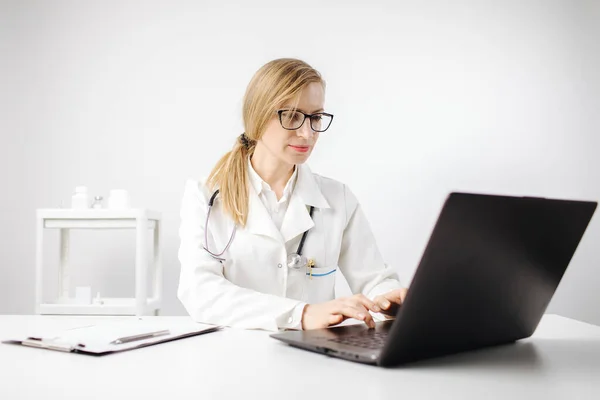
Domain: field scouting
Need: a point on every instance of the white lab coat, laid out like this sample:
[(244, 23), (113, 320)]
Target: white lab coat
[(254, 288)]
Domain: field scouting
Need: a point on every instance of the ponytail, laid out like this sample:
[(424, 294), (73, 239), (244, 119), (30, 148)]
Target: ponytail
[(230, 176)]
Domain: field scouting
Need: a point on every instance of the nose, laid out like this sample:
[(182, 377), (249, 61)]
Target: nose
[(305, 130)]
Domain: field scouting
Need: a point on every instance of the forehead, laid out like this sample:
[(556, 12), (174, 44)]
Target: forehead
[(312, 98)]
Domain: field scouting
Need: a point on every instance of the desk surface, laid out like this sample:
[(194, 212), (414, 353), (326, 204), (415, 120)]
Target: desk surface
[(560, 361)]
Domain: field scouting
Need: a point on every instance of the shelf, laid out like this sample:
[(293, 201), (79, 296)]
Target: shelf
[(111, 306), (65, 220), (94, 224), (100, 214)]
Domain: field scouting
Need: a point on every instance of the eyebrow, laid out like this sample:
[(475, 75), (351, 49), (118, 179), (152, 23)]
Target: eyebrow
[(300, 109)]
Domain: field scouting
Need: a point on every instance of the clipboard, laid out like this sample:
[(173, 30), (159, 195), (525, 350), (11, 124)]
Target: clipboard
[(112, 337)]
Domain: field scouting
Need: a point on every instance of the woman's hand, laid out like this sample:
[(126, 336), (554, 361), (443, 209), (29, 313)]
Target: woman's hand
[(333, 312), (390, 301)]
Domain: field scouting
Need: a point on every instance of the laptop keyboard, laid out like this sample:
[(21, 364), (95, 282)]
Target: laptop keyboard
[(365, 339)]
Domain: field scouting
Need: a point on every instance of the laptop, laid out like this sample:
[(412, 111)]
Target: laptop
[(486, 277)]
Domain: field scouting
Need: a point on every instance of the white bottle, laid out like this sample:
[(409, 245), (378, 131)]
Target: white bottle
[(118, 199), (80, 200)]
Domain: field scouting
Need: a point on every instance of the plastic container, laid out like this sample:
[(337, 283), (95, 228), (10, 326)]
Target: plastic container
[(80, 199), (118, 199)]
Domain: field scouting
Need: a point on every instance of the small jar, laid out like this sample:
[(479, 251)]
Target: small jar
[(97, 202)]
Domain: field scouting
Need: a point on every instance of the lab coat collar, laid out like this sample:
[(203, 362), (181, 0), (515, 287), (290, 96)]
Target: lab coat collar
[(259, 220), (297, 218), (308, 189)]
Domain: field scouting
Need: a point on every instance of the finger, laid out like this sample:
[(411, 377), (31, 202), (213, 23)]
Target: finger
[(349, 310), (355, 302), (360, 314), (363, 309), (383, 302), (396, 296), (335, 319), (366, 302), (403, 294)]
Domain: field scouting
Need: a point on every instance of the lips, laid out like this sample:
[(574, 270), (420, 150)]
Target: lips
[(301, 149)]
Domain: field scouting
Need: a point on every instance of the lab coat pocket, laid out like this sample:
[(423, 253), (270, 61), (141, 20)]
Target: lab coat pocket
[(321, 284)]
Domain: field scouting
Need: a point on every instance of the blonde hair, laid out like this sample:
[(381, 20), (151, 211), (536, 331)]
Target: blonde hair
[(274, 84)]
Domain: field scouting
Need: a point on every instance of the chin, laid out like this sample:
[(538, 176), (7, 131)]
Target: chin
[(300, 159), (296, 158)]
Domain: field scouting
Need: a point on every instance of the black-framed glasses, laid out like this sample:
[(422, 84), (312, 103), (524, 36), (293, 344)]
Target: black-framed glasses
[(294, 119)]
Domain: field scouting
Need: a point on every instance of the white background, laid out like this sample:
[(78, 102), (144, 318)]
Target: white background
[(429, 97)]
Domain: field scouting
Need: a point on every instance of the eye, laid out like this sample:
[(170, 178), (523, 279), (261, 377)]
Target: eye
[(291, 119), (288, 115)]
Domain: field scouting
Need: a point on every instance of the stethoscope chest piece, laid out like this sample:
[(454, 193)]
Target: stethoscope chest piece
[(296, 261)]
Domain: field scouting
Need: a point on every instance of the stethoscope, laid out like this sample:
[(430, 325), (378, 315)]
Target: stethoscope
[(295, 260)]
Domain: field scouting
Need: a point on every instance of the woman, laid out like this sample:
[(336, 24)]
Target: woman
[(265, 255)]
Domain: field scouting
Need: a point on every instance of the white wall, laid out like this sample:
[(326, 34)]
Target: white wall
[(429, 97)]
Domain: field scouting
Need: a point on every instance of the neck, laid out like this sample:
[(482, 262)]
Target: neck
[(271, 169)]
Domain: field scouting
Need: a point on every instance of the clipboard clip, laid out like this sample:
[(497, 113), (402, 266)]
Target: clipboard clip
[(47, 344)]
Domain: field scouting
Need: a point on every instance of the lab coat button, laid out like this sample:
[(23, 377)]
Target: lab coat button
[(290, 320), (279, 265)]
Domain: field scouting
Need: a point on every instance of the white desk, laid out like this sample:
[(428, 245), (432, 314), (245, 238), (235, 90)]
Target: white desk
[(561, 361)]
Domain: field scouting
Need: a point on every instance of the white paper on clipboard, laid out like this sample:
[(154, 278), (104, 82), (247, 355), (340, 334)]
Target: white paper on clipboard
[(96, 339)]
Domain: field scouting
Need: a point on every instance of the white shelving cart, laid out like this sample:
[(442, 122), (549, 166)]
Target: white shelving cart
[(66, 220)]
